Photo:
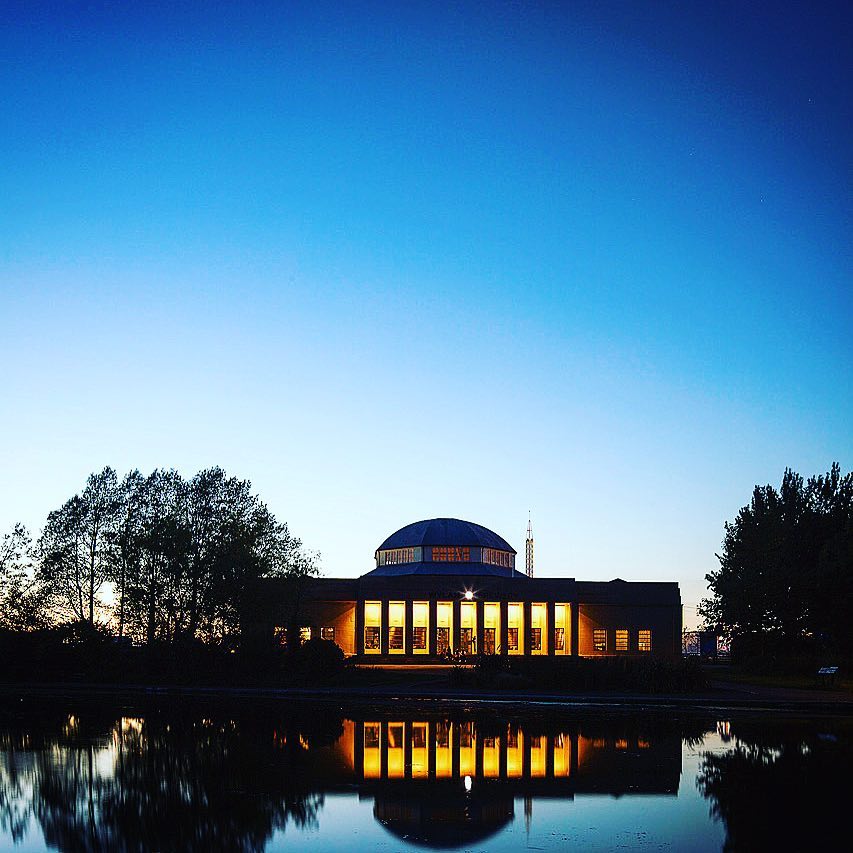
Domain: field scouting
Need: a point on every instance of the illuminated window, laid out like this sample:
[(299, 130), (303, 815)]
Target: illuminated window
[(497, 558), (420, 753), (372, 760), (280, 634), (443, 749), (372, 627), (443, 627), (396, 627), (644, 640), (621, 743), (538, 750), (304, 634), (621, 640), (468, 627), (396, 751), (599, 640), (397, 556), (443, 554), (491, 627), (420, 627), (538, 629), (561, 625), (467, 749), (327, 632), (515, 626), (562, 755)]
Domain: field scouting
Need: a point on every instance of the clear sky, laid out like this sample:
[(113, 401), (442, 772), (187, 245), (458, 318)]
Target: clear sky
[(395, 261)]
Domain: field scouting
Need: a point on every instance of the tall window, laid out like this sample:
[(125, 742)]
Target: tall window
[(372, 627), (420, 627), (443, 554), (644, 640), (561, 629), (396, 627), (538, 629), (443, 627), (468, 627), (491, 627), (599, 640), (327, 632), (621, 640), (515, 627)]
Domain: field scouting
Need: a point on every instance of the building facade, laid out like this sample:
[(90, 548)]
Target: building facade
[(449, 587)]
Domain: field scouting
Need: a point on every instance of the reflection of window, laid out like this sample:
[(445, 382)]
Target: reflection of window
[(371, 735), (559, 639), (395, 638), (371, 638), (644, 640), (599, 640), (621, 640), (535, 639), (442, 734), (512, 639), (419, 638), (419, 735), (442, 640), (328, 633), (442, 554)]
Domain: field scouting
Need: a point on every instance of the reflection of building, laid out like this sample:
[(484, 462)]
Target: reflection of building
[(446, 585), (447, 782)]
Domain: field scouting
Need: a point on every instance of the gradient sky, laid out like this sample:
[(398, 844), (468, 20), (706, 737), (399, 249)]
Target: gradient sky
[(391, 261)]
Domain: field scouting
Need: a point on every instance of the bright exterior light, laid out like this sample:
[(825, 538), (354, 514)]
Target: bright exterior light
[(468, 594)]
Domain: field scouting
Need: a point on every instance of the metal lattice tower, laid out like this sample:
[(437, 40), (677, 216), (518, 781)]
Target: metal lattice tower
[(528, 549)]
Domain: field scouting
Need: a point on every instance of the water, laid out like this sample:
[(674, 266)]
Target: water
[(192, 775)]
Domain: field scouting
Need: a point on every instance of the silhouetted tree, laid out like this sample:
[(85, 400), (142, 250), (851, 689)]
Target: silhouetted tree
[(787, 562), (76, 546)]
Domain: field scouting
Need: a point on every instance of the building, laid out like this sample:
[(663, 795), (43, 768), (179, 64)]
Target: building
[(445, 586)]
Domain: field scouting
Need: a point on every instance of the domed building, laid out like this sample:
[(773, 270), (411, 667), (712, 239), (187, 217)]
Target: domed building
[(446, 587)]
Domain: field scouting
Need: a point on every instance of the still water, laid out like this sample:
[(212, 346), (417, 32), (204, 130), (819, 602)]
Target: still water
[(273, 776)]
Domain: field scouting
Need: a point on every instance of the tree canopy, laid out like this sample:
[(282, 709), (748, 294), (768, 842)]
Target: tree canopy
[(158, 557), (787, 563)]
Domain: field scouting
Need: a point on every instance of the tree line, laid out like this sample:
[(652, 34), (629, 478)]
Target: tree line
[(155, 558), (786, 567)]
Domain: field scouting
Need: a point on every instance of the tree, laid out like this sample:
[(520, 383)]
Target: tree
[(76, 546), (787, 563), (21, 601)]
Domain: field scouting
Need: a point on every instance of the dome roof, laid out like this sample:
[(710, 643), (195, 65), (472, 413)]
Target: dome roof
[(445, 531)]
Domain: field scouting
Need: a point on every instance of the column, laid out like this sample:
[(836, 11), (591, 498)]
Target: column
[(359, 627), (551, 610), (454, 749), (383, 632), (358, 758), (457, 618), (549, 757), (526, 632), (407, 750), (383, 750), (481, 618), (503, 641), (407, 630), (574, 607), (431, 641), (431, 750)]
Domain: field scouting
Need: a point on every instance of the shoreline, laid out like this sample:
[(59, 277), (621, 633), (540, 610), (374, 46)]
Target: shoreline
[(705, 701)]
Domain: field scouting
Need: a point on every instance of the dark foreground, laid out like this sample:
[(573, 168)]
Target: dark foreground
[(221, 772)]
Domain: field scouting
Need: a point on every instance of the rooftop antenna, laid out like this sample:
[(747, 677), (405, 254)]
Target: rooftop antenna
[(528, 548)]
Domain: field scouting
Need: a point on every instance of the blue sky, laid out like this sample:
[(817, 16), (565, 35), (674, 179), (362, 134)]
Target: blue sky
[(392, 263)]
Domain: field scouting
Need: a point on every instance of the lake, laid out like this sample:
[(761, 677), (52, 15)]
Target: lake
[(199, 774)]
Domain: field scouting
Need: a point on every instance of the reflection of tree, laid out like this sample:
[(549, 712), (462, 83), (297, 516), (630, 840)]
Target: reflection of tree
[(779, 793), (157, 784)]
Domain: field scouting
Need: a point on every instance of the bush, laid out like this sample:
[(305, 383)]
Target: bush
[(317, 661)]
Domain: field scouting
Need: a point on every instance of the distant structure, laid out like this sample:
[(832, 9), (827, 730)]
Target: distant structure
[(528, 548)]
